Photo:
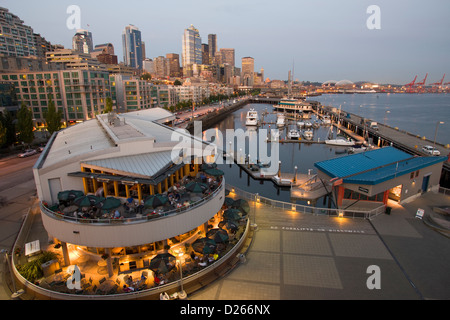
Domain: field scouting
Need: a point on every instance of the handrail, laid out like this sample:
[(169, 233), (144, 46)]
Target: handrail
[(308, 209), (109, 221)]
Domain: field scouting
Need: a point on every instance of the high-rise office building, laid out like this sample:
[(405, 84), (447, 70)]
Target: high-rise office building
[(82, 42), (192, 49), (16, 38), (248, 68), (132, 47), (212, 44), (205, 54), (174, 62), (227, 56)]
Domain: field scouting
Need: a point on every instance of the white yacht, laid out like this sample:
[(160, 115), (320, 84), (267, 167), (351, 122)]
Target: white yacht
[(308, 124), (301, 124), (308, 134), (281, 120), (252, 118), (340, 141), (293, 134), (326, 120)]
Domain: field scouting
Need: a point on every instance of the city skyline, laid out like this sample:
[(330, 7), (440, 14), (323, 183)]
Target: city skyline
[(318, 41)]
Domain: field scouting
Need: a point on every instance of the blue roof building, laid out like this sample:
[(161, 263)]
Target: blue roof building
[(382, 171)]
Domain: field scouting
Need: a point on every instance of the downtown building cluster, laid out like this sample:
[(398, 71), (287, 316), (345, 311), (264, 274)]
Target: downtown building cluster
[(80, 79)]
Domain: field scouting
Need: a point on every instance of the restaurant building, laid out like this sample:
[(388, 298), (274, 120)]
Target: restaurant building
[(126, 156), (379, 175)]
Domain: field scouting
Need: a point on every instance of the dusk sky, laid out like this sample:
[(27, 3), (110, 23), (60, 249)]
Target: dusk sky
[(322, 39)]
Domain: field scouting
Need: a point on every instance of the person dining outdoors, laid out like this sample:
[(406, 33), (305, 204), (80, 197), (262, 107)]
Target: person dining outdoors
[(127, 289), (116, 214)]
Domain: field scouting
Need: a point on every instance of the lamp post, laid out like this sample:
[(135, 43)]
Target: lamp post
[(385, 117), (182, 294), (435, 134)]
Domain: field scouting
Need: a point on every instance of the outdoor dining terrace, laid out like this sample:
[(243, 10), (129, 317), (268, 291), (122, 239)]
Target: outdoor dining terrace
[(185, 194), (212, 252)]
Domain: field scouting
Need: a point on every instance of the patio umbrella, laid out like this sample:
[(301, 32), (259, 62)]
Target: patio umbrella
[(87, 201), (228, 201), (196, 187), (229, 225), (207, 166), (218, 235), (214, 172), (69, 195), (109, 203), (156, 200), (204, 246), (232, 214), (242, 205), (163, 263)]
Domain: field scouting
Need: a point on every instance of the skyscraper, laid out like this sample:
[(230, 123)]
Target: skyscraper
[(212, 43), (192, 49), (248, 68), (82, 42), (132, 47), (227, 56)]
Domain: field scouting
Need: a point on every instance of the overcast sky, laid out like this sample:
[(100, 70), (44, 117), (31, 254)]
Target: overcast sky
[(320, 39)]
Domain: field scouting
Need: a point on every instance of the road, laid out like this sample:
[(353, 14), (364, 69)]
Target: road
[(14, 171)]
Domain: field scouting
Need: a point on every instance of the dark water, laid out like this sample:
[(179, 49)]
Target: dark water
[(416, 113)]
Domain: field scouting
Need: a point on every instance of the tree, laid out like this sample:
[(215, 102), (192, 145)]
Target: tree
[(108, 105), (146, 76), (2, 134), (8, 123), (25, 124), (52, 117), (177, 83)]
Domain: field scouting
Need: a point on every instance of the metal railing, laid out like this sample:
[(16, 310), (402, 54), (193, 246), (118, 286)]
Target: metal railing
[(444, 190), (331, 212), (131, 220)]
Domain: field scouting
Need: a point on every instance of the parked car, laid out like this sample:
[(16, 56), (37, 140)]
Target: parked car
[(431, 150), (27, 153)]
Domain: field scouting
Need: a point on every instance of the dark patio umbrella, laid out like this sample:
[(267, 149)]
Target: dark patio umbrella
[(232, 214), (242, 205), (207, 166), (214, 172), (204, 246), (156, 200), (87, 201), (229, 225), (218, 235), (109, 203), (228, 201), (69, 195), (163, 263), (196, 187)]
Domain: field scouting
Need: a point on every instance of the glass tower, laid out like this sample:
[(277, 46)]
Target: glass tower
[(132, 47), (192, 47), (82, 42)]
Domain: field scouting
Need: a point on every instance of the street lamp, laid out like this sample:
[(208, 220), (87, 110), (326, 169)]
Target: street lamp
[(435, 134), (385, 117), (182, 294)]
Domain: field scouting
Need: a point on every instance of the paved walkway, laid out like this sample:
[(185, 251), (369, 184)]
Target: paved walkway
[(300, 256)]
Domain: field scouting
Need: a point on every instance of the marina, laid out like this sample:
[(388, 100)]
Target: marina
[(300, 154)]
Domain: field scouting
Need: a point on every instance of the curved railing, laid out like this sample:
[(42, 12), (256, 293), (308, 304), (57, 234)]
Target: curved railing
[(153, 293), (131, 220)]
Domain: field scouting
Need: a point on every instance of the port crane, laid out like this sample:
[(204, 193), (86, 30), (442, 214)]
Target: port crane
[(421, 83), (411, 84), (436, 85)]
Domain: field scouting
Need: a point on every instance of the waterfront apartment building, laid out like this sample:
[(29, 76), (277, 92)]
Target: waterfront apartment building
[(191, 50), (16, 38), (79, 94), (82, 42), (132, 47)]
